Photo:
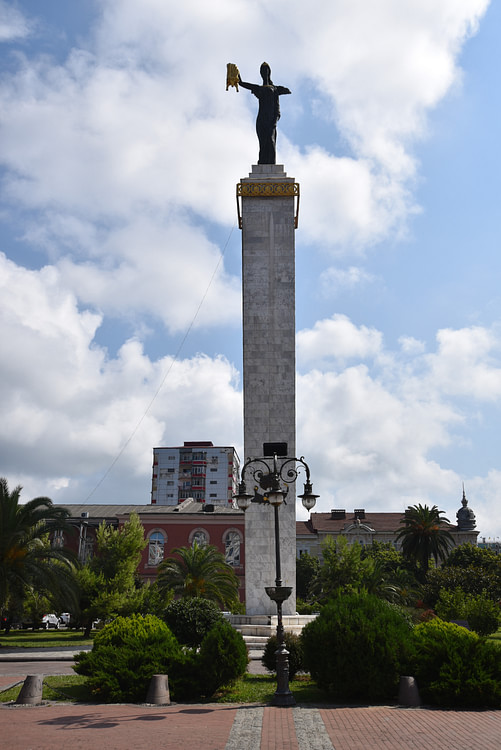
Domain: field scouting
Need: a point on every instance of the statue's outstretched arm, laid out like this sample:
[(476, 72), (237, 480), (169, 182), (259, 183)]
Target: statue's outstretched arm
[(251, 86)]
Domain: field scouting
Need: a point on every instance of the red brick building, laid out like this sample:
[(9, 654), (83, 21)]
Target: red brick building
[(165, 528)]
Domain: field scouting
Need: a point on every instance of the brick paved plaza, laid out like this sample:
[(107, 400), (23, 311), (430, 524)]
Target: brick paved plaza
[(220, 727)]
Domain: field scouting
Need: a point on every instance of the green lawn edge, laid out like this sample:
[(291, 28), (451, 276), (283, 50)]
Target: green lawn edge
[(43, 639), (251, 688)]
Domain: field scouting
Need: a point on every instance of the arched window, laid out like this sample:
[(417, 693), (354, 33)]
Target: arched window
[(200, 536), (232, 541), (156, 546)]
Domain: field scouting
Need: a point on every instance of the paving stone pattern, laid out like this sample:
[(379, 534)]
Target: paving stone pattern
[(232, 727)]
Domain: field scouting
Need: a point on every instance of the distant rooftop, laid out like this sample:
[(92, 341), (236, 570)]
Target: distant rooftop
[(111, 510)]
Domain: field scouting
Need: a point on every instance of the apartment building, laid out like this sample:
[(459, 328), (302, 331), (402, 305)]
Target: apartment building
[(199, 470)]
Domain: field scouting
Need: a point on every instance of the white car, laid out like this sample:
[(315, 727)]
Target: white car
[(65, 618), (50, 621)]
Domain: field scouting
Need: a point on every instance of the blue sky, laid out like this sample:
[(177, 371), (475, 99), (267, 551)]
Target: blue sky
[(120, 256)]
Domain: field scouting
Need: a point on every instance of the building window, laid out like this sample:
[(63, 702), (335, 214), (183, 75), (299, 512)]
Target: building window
[(200, 536), (232, 541), (86, 550), (170, 471), (213, 481), (156, 546), (58, 539)]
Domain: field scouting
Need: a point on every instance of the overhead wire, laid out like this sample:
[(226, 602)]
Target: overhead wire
[(168, 371)]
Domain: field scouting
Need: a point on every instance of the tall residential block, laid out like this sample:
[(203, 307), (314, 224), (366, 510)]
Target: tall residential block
[(201, 470)]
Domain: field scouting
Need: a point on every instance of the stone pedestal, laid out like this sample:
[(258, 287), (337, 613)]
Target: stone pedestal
[(268, 207)]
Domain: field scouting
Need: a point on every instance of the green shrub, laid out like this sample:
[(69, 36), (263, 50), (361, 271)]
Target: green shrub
[(129, 651), (293, 646), (125, 655), (223, 657), (483, 614), (354, 649), (307, 608), (471, 579), (455, 667), (190, 619), (450, 605)]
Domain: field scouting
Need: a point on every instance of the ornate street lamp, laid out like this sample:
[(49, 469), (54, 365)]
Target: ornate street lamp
[(275, 481)]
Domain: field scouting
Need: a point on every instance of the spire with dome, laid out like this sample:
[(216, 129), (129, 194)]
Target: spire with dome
[(465, 515)]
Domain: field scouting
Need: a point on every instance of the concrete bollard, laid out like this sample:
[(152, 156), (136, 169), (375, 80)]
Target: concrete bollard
[(31, 692), (158, 691), (408, 693)]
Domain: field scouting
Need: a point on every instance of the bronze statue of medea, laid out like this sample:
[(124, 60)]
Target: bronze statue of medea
[(269, 109)]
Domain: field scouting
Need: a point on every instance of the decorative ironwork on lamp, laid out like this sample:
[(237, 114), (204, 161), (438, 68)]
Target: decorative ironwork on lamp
[(274, 482)]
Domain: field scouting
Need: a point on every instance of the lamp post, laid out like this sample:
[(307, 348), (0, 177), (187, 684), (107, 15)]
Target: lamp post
[(275, 481)]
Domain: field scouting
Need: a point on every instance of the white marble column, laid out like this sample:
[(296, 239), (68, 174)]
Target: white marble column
[(269, 369)]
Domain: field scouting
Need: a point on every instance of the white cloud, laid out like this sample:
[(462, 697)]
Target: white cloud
[(68, 409), (410, 345), (13, 24), (465, 363), (337, 339), (166, 271), (140, 122), (335, 279), (368, 431), (371, 431)]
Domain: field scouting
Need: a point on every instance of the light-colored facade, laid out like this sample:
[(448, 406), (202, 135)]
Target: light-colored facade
[(198, 470), (367, 528)]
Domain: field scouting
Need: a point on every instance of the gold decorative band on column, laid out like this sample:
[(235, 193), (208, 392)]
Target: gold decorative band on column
[(267, 190)]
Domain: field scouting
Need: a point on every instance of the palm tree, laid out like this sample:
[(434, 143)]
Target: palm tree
[(200, 570), (26, 556), (423, 535)]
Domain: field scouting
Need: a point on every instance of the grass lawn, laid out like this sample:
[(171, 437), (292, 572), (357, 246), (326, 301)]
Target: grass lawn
[(55, 688), (259, 688), (43, 639), (252, 688)]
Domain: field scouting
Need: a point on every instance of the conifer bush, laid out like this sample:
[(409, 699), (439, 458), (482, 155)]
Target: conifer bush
[(355, 648), (293, 646), (223, 657), (191, 618), (125, 656), (130, 650), (455, 667)]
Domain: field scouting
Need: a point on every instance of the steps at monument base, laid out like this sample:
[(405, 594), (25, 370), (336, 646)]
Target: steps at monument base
[(255, 645), (256, 629)]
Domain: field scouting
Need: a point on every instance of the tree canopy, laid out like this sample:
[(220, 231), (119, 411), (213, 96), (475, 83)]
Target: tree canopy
[(424, 535), (107, 583), (27, 559), (200, 570)]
